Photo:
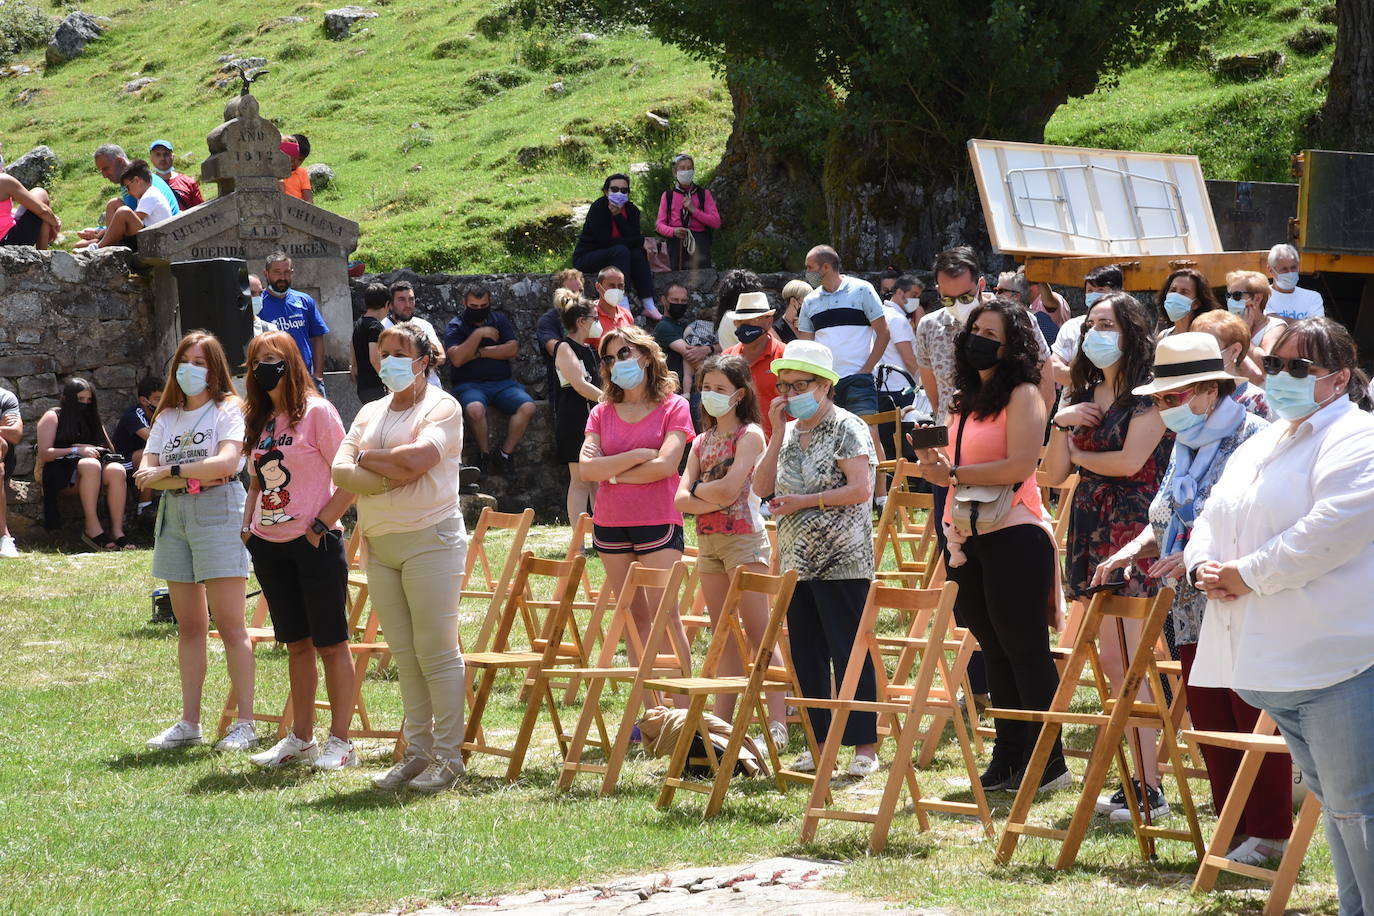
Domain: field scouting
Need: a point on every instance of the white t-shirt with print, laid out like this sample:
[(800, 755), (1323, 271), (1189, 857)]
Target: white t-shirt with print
[(153, 208), (183, 436), (1295, 305)]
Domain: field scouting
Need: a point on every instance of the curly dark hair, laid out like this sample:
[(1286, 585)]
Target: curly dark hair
[(732, 284), (1205, 301), (1137, 353), (1019, 365)]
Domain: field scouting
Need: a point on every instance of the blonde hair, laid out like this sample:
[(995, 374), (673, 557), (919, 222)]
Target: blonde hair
[(1252, 282), (659, 382), (217, 380), (562, 298), (795, 289)]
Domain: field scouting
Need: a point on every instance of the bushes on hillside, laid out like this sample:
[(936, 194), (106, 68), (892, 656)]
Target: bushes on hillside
[(22, 28)]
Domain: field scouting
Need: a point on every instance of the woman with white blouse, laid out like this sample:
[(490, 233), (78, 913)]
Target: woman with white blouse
[(1285, 553)]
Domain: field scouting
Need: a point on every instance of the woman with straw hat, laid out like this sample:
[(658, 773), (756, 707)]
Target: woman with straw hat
[(1193, 392), (817, 474)]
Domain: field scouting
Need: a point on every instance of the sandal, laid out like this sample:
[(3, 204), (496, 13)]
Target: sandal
[(99, 541), (123, 543)]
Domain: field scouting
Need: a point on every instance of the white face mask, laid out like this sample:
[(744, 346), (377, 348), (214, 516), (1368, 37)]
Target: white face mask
[(614, 296), (257, 305), (685, 176)]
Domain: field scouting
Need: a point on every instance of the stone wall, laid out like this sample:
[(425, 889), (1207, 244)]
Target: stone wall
[(63, 315)]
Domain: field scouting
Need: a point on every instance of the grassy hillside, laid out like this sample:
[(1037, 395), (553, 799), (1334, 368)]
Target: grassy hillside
[(1181, 102), (447, 145)]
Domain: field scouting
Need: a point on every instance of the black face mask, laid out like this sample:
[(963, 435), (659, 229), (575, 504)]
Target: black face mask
[(477, 316), (748, 333), (677, 309), (269, 375), (981, 352)]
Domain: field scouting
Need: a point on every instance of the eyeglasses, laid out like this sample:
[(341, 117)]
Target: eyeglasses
[(1237, 295), (961, 299), (1173, 398), (1297, 367), (786, 389), (1007, 292), (622, 353)]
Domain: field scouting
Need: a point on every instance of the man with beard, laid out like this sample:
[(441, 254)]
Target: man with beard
[(295, 313), (186, 188), (480, 345), (402, 311)]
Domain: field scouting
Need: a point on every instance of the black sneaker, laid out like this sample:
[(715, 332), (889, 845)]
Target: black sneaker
[(1055, 777), (1106, 805), (1153, 799), (483, 464), (999, 776), (503, 464)]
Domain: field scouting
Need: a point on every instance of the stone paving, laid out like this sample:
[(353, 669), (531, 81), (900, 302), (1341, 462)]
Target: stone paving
[(774, 887)]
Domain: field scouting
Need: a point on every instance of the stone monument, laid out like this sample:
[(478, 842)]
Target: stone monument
[(250, 219)]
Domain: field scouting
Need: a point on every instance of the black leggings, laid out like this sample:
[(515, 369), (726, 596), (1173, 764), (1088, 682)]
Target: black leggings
[(1004, 588), (822, 621)]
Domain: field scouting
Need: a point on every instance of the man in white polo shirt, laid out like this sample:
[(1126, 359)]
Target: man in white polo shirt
[(1287, 300), (846, 315)]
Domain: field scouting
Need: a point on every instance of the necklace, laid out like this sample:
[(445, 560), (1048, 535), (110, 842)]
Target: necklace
[(395, 422)]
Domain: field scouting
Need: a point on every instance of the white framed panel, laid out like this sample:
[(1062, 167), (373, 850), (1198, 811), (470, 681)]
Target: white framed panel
[(1062, 200)]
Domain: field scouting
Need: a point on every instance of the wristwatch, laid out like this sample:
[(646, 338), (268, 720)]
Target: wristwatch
[(319, 527), (1062, 428), (176, 470)]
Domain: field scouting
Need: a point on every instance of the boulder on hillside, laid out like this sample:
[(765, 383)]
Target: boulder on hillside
[(36, 168), (1245, 67), (321, 176), (73, 34), (139, 84), (338, 23)]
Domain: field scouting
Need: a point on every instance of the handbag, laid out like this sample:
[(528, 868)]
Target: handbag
[(978, 504), (656, 250)]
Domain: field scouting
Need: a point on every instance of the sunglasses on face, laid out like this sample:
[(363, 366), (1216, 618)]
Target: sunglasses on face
[(1173, 398), (1297, 367), (622, 353), (1237, 296), (786, 389), (622, 188), (961, 299)]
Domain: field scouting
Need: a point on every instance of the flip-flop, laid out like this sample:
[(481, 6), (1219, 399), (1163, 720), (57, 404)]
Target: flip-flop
[(100, 542), (123, 543)]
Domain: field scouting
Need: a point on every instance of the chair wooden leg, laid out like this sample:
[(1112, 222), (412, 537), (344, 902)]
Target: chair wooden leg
[(540, 692), (1298, 841), (573, 757), (902, 772), (678, 762), (1227, 819), (621, 746)]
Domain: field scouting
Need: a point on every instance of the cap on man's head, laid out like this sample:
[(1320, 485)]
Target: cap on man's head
[(156, 143)]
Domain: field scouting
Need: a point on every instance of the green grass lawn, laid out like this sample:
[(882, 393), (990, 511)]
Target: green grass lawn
[(446, 146), (92, 823)]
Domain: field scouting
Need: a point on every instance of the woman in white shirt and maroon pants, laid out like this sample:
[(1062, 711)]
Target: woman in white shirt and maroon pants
[(1285, 552)]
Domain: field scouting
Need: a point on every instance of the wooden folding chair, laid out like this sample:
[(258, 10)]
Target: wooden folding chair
[(1254, 745), (934, 682), (907, 528), (545, 653), (647, 660), (484, 586), (1120, 711), (749, 689), (892, 449)]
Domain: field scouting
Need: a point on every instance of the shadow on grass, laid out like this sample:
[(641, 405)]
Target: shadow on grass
[(257, 779), (370, 798), (147, 759)]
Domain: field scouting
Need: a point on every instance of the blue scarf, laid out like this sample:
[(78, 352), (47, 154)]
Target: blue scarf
[(1194, 452)]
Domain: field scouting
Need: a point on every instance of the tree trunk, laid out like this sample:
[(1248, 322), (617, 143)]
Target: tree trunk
[(769, 200), (1346, 120)]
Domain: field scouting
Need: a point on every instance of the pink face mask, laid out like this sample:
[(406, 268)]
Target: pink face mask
[(290, 148)]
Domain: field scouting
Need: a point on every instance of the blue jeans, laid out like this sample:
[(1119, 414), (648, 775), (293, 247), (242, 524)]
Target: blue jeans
[(506, 395), (857, 394), (1330, 733)]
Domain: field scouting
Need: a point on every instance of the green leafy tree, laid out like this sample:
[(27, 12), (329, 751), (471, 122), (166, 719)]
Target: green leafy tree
[(864, 107)]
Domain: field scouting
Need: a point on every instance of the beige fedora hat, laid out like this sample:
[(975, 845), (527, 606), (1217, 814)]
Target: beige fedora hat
[(1184, 359)]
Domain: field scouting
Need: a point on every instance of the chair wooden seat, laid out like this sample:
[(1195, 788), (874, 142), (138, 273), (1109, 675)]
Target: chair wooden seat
[(697, 685), (502, 659)]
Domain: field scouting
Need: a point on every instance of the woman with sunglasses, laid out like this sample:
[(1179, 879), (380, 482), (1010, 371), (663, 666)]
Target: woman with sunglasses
[(1184, 295), (1194, 395), (1285, 555), (1247, 295), (1116, 441), (291, 529), (817, 473), (611, 236), (634, 443)]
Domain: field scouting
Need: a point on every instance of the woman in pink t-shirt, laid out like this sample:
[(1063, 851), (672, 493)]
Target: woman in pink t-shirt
[(635, 439), (291, 528)]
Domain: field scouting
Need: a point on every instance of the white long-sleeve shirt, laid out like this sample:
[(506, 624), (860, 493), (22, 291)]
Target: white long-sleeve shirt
[(1297, 512)]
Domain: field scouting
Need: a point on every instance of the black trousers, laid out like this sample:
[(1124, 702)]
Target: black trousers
[(633, 263), (977, 667), (822, 621), (1004, 587)]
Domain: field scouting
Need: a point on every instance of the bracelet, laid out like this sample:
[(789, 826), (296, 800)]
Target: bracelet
[(820, 500)]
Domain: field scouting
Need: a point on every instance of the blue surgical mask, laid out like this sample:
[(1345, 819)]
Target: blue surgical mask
[(191, 379), (1092, 298), (1180, 419), (627, 373), (803, 406), (1176, 305), (717, 404), (395, 372), (1103, 348), (1288, 281), (1235, 306), (1292, 398)]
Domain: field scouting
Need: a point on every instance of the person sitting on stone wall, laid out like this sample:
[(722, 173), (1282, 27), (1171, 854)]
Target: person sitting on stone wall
[(111, 162), (402, 307), (186, 188), (297, 184), (480, 345), (26, 215), (150, 208), (74, 453), (11, 431), (131, 432), (611, 236)]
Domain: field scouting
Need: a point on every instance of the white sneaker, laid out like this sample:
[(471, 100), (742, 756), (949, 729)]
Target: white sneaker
[(8, 550), (803, 764), (1257, 851), (778, 731), (240, 737), (862, 766), (183, 734), (441, 775), (337, 754), (287, 751), (402, 773)]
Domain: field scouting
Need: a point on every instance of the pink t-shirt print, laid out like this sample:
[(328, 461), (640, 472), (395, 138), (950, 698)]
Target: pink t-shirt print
[(629, 504), (291, 465)]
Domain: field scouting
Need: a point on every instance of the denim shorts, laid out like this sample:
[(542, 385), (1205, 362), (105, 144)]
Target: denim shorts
[(506, 395), (856, 393), (197, 535)]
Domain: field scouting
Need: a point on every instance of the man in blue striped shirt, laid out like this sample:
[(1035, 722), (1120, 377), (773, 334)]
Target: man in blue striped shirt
[(846, 315)]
